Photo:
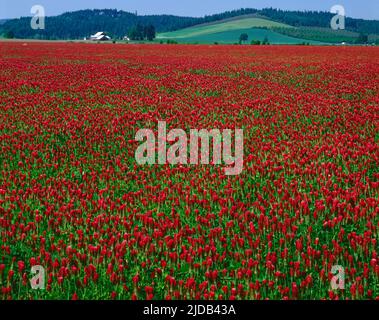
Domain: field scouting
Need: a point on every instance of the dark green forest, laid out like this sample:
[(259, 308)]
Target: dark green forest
[(80, 24), (83, 23), (319, 19)]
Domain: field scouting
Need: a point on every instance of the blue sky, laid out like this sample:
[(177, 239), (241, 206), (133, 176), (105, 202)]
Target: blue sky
[(368, 9)]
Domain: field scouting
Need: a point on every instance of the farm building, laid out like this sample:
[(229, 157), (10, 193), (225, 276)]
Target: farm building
[(100, 36)]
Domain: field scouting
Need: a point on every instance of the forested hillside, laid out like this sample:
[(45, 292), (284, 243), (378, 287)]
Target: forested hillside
[(79, 24)]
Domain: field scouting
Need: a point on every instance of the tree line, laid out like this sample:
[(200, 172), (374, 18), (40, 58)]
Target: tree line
[(117, 23), (141, 32)]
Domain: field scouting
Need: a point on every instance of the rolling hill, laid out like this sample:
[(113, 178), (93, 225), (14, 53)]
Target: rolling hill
[(228, 31), (241, 23)]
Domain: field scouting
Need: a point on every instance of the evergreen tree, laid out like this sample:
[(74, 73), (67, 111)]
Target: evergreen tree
[(150, 32), (362, 39), (9, 34), (243, 37)]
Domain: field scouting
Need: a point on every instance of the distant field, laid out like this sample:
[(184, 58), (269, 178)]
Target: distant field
[(230, 37), (201, 30), (323, 34)]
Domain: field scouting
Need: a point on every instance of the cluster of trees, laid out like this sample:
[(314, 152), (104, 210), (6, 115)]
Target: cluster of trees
[(258, 42), (141, 32), (169, 41), (244, 37), (362, 39), (8, 35)]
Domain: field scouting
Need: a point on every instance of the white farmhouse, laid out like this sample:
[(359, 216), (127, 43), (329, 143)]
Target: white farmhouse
[(100, 36)]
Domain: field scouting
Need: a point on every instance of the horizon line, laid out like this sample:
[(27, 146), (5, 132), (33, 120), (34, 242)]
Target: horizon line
[(184, 16)]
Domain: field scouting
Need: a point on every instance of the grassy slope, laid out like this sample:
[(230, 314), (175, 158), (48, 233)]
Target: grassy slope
[(229, 37), (228, 31), (236, 24)]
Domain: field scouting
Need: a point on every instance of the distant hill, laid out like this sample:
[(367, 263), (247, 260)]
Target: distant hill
[(242, 22), (259, 28), (83, 23), (319, 19), (228, 31), (2, 21), (310, 25)]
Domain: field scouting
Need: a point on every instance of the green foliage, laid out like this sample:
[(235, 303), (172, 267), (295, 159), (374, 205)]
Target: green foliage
[(255, 42), (243, 37), (362, 39), (136, 33), (150, 32), (8, 34)]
